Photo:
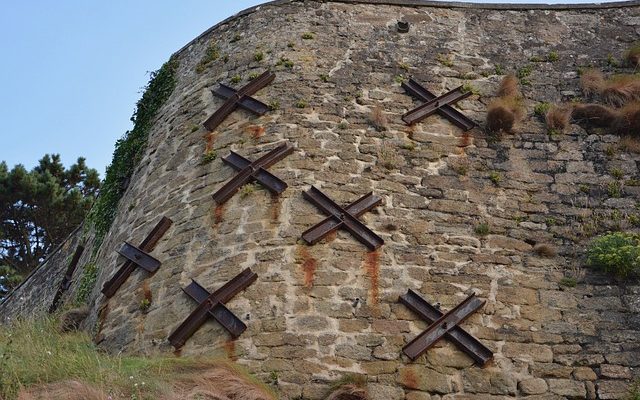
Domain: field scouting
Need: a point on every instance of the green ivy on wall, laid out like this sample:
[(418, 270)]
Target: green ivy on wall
[(130, 148)]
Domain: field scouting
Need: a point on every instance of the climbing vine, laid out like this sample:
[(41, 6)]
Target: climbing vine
[(130, 148)]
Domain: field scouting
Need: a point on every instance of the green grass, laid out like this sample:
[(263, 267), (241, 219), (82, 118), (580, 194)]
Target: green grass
[(211, 54), (541, 109), (33, 353), (307, 35), (482, 229), (568, 282), (208, 157)]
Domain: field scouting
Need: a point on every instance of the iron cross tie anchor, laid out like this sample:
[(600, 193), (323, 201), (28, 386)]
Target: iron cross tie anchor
[(212, 305), (445, 325), (345, 218), (255, 170), (433, 104), (137, 257), (66, 281), (239, 98)]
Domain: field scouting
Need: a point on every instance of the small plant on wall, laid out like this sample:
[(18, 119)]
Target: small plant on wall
[(617, 253)]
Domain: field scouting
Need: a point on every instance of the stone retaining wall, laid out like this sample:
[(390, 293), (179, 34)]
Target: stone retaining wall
[(319, 312)]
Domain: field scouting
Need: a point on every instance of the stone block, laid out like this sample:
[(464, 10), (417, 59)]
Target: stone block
[(527, 351), (422, 378), (568, 388), (533, 386)]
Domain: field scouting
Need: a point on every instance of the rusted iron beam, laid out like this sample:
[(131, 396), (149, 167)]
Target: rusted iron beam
[(246, 103), (220, 313), (345, 218), (139, 257), (255, 170), (446, 110), (66, 281), (238, 98), (212, 305), (446, 325), (147, 245)]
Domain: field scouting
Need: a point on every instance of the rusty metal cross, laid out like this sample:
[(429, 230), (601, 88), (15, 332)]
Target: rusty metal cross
[(345, 218), (256, 170), (137, 257), (439, 104), (239, 98), (212, 305), (445, 325)]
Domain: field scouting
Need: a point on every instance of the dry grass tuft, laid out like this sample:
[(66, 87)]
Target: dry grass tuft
[(558, 118), (348, 392), (630, 144), (506, 110), (503, 114), (68, 390), (594, 115), (70, 320), (378, 119), (222, 380), (545, 250), (509, 87), (633, 55), (621, 89), (592, 82), (628, 121)]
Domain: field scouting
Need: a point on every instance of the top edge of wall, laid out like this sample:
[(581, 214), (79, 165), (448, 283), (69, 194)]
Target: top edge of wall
[(429, 3)]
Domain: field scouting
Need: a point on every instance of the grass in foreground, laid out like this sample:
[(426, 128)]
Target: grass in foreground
[(38, 362)]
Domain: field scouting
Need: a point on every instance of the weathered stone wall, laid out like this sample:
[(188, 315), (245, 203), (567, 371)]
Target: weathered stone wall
[(35, 295), (319, 312)]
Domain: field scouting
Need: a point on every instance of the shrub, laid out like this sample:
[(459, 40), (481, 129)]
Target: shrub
[(553, 56), (617, 253), (259, 56), (558, 118), (594, 115), (444, 59), (307, 35)]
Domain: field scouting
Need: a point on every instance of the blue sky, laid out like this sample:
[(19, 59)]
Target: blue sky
[(72, 69)]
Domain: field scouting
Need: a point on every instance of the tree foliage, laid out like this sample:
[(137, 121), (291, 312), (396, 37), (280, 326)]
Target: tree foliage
[(38, 209)]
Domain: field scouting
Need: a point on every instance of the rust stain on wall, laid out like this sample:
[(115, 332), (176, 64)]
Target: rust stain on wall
[(275, 207), (209, 139), (217, 214), (256, 131), (309, 265), (408, 378), (146, 291), (331, 236), (465, 140), (230, 349), (372, 268)]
